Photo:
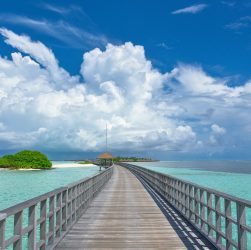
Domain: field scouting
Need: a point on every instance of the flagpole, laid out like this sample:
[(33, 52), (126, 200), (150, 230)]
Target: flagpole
[(106, 138)]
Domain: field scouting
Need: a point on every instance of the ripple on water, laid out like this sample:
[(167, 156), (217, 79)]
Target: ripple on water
[(18, 186)]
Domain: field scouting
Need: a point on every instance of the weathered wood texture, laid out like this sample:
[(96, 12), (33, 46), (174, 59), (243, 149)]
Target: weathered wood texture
[(51, 215), (124, 216)]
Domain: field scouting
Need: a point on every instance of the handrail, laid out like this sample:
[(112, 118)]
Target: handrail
[(220, 217), (22, 205), (50, 215)]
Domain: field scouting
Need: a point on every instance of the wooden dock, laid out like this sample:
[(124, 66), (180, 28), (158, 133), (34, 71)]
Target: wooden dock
[(125, 216)]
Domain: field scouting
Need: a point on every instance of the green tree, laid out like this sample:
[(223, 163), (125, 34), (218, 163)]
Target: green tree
[(26, 159)]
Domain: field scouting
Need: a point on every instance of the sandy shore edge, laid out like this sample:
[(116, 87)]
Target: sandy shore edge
[(71, 165), (55, 165)]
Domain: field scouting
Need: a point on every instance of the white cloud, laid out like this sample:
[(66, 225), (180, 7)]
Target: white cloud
[(36, 49), (121, 89), (44, 56), (127, 66), (164, 46), (2, 127), (216, 129), (228, 3), (191, 9), (241, 23), (144, 109), (60, 30), (216, 134), (64, 11), (237, 25), (56, 9)]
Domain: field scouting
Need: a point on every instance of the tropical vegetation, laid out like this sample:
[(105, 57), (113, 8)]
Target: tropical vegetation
[(131, 159), (25, 159), (85, 162)]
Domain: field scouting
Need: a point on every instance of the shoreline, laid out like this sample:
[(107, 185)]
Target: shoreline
[(71, 165), (54, 166), (22, 169)]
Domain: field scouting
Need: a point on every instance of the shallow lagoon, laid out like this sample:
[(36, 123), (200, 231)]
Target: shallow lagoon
[(17, 186), (232, 177)]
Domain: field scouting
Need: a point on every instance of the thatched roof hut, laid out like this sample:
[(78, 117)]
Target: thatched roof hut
[(105, 160), (105, 156)]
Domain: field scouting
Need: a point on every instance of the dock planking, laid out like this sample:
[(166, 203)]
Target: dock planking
[(125, 216)]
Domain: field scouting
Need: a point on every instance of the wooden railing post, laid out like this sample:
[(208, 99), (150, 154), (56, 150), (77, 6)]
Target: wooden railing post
[(74, 204), (2, 230), (33, 224), (203, 207), (187, 201), (209, 214), (43, 216), (241, 219), (69, 207), (65, 205), (59, 214), (18, 222), (64, 210), (228, 224), (191, 203), (218, 220), (51, 219), (196, 205)]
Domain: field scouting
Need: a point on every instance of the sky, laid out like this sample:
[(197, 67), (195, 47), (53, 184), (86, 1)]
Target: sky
[(171, 79)]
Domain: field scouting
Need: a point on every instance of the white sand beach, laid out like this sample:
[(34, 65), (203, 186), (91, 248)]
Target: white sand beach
[(71, 165), (55, 165), (27, 169)]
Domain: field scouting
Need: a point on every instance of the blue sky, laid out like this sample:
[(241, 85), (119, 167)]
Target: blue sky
[(216, 37), (195, 53)]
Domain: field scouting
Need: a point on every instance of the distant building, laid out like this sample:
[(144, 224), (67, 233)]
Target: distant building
[(105, 160)]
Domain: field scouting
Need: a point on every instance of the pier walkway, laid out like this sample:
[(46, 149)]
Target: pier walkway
[(124, 215)]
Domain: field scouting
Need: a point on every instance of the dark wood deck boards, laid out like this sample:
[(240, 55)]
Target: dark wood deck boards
[(124, 216)]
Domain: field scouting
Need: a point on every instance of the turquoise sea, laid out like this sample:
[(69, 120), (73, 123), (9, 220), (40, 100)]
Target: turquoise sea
[(17, 186), (232, 177)]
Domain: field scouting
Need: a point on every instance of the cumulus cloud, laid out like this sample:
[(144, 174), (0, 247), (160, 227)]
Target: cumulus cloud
[(217, 129), (121, 88), (191, 9), (216, 134), (42, 55), (44, 106)]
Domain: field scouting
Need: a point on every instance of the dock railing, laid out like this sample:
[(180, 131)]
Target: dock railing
[(41, 222), (220, 217)]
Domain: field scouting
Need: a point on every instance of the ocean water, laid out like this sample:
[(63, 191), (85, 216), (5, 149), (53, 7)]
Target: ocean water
[(231, 177), (17, 186)]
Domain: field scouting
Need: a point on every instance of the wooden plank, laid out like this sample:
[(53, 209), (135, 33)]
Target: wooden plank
[(123, 216)]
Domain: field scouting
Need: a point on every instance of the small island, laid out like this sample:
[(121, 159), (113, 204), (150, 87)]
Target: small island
[(132, 159), (25, 159), (117, 159), (85, 162)]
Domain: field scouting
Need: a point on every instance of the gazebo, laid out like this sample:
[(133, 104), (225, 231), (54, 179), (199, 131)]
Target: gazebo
[(105, 160)]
